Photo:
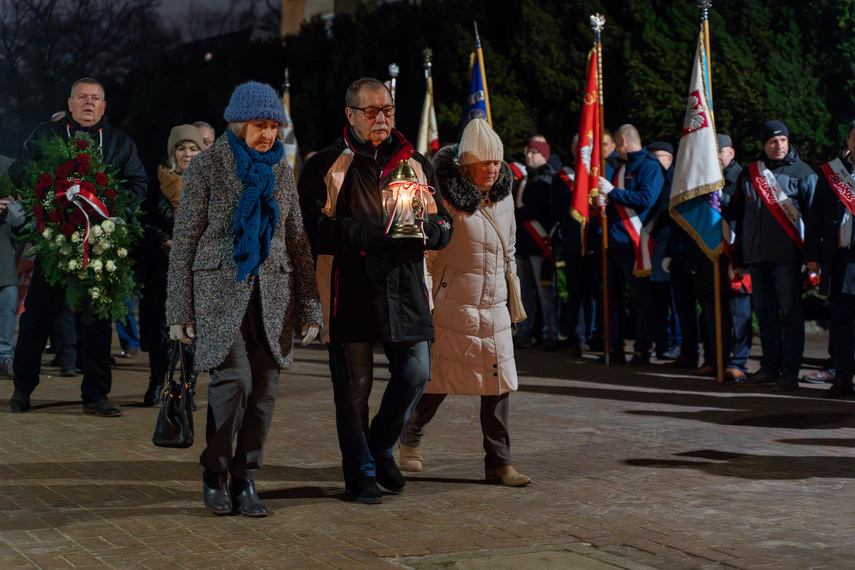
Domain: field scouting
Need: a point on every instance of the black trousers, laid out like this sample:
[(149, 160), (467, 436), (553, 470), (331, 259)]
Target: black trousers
[(42, 304)]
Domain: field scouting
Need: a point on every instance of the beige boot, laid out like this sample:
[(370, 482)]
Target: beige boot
[(507, 476), (411, 458)]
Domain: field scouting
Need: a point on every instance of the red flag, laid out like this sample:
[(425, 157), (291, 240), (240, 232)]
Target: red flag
[(589, 147)]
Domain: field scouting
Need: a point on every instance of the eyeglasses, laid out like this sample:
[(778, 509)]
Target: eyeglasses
[(372, 112)]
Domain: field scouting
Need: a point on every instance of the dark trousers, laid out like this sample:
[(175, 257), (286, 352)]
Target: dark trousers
[(842, 329), (780, 317), (621, 263), (584, 303), (705, 291), (740, 315), (494, 426), (42, 304), (241, 399), (352, 370), (683, 285)]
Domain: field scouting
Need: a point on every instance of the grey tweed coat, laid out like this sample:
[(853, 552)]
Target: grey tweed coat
[(202, 271)]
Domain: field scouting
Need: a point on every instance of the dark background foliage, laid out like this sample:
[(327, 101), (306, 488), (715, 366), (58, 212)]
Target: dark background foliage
[(790, 60)]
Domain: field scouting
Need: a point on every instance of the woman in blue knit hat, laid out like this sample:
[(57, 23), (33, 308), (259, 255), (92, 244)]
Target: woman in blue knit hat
[(239, 269)]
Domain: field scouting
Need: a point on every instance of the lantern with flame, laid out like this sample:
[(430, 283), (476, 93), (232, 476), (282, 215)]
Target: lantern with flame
[(404, 203)]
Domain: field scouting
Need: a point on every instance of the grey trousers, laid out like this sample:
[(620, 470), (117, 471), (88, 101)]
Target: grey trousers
[(494, 426), (241, 398)]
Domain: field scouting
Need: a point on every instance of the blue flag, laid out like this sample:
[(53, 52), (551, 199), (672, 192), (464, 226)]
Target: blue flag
[(476, 101)]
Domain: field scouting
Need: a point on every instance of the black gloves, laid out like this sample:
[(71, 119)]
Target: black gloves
[(370, 238)]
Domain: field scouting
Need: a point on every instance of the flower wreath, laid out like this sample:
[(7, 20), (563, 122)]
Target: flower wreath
[(82, 228)]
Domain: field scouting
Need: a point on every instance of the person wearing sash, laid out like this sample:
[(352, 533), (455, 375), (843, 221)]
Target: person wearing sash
[(632, 204), (771, 203), (473, 352), (829, 251)]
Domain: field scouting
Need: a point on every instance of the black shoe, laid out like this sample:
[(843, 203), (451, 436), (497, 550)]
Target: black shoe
[(246, 498), (19, 403), (759, 379), (216, 492), (785, 384), (365, 491), (152, 395), (683, 361), (640, 359), (388, 475), (68, 372), (102, 408), (840, 389)]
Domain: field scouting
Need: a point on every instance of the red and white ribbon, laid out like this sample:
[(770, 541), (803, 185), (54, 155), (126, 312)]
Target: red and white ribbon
[(87, 203)]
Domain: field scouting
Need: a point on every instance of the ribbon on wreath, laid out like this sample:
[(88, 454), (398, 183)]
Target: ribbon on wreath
[(87, 203), (415, 202)]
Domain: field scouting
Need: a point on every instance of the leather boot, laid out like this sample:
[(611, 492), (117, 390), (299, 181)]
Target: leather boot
[(216, 492), (152, 395), (507, 476), (246, 498), (411, 458)]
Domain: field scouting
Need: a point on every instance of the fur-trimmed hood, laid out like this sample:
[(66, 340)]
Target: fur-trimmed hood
[(461, 193)]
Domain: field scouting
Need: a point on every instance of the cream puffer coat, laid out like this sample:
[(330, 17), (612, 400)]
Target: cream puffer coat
[(473, 352)]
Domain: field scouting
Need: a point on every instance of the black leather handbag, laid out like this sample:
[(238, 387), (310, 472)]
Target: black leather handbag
[(174, 426)]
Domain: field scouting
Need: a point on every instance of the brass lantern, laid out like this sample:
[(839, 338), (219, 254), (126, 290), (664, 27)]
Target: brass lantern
[(403, 205)]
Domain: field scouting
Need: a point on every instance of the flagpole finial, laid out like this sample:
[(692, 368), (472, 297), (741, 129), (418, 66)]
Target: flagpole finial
[(705, 6), (427, 54), (477, 37), (394, 70), (598, 22), (286, 85)]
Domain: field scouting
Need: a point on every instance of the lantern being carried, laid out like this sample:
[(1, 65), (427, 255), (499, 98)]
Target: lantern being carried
[(404, 203)]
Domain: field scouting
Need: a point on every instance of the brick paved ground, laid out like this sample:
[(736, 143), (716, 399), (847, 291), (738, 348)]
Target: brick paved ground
[(632, 468)]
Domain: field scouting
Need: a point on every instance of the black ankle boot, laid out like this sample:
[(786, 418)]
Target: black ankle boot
[(152, 395), (246, 498), (216, 492), (388, 475)]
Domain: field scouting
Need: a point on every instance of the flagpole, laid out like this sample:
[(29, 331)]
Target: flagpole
[(286, 91), (427, 53), (480, 55), (394, 70), (719, 340), (598, 22)]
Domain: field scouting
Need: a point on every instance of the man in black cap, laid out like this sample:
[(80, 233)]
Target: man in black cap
[(771, 200)]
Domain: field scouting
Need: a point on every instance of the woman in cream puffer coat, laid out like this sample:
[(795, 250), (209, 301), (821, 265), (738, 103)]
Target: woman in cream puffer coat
[(473, 351)]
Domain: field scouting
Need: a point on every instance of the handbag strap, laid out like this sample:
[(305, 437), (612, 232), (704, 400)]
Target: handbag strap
[(176, 353), (489, 218)]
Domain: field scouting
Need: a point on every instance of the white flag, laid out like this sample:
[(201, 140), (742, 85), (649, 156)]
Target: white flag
[(428, 139)]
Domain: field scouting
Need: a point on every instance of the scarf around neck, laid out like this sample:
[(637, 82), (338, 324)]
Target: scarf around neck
[(257, 212), (170, 185)]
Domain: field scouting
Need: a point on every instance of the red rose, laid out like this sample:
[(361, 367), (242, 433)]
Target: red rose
[(82, 144), (76, 217), (83, 169), (61, 185), (101, 179), (38, 191), (110, 194), (45, 180), (88, 186), (61, 172), (69, 165), (40, 226), (66, 229), (82, 159), (38, 212), (55, 216)]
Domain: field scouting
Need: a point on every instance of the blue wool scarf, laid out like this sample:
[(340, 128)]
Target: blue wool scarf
[(257, 213)]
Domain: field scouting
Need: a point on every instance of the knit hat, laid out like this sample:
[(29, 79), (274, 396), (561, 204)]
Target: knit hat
[(724, 141), (542, 147), (253, 101), (661, 145), (773, 129), (479, 143), (184, 133)]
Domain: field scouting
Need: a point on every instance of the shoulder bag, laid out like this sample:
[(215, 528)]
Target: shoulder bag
[(174, 426)]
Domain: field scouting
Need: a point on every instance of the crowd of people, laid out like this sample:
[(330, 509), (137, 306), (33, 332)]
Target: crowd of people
[(235, 252)]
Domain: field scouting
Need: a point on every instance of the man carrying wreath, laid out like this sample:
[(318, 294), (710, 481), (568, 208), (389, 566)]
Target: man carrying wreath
[(86, 106)]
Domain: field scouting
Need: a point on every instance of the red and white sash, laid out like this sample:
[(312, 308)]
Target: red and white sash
[(642, 241), (841, 182), (774, 198)]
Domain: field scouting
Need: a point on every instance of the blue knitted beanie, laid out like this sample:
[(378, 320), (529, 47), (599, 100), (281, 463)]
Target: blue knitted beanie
[(254, 101)]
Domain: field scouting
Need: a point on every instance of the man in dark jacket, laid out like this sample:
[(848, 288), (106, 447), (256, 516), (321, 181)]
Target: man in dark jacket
[(829, 251), (772, 197), (632, 202), (373, 287), (86, 106), (535, 217)]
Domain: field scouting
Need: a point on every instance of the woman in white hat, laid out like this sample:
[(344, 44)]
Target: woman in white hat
[(473, 352)]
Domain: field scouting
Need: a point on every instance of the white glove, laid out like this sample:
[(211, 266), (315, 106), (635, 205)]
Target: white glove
[(602, 200), (176, 332), (310, 333), (666, 264), (605, 186)]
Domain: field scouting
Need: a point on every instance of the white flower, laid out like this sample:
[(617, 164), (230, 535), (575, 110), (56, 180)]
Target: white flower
[(105, 245), (92, 237), (65, 250), (48, 233), (72, 265), (94, 292), (75, 237), (108, 226), (110, 266), (96, 231), (60, 239), (98, 249), (122, 252), (97, 265)]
